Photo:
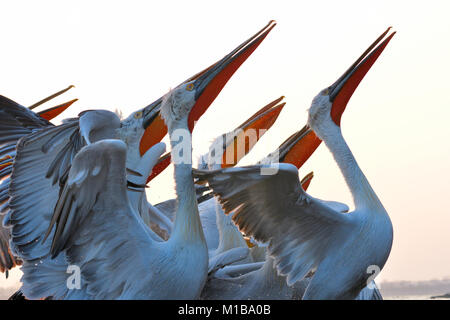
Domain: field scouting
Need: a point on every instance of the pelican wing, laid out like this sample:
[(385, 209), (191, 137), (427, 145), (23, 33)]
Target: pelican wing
[(16, 121), (96, 227), (32, 200), (43, 157), (274, 208)]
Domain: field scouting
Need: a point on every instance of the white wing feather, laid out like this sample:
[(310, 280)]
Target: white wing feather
[(275, 208)]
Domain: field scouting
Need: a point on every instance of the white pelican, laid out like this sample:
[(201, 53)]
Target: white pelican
[(305, 235), (94, 203), (49, 154)]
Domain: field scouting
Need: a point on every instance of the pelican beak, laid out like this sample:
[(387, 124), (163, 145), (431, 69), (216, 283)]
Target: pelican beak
[(307, 180), (341, 91), (302, 144), (254, 128), (51, 113), (50, 97), (160, 166), (154, 125), (211, 81), (298, 147), (207, 83)]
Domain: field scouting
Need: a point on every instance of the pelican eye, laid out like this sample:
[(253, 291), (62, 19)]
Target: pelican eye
[(190, 87), (138, 115)]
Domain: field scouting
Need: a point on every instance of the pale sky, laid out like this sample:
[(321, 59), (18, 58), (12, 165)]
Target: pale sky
[(125, 55)]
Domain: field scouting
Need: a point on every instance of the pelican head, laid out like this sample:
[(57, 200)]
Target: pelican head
[(178, 103), (132, 128), (330, 103), (319, 118)]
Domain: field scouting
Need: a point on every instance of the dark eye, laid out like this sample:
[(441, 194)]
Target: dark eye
[(190, 87)]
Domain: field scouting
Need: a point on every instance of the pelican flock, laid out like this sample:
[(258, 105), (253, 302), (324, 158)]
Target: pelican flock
[(73, 197)]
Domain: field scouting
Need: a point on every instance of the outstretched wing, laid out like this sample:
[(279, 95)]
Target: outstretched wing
[(42, 159), (96, 227), (41, 154), (16, 121), (274, 208)]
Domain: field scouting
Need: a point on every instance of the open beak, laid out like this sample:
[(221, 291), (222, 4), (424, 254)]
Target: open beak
[(50, 97), (307, 180), (51, 113), (341, 91), (260, 122), (207, 83), (211, 81), (298, 147), (302, 144)]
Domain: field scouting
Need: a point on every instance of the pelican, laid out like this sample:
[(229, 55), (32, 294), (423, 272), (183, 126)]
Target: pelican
[(221, 233), (305, 235), (255, 277), (17, 121), (94, 202), (46, 156), (259, 280)]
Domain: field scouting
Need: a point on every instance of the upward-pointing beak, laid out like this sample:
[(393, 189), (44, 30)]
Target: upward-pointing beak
[(211, 81), (306, 181), (302, 144), (260, 122), (154, 125), (207, 83), (341, 91), (51, 113), (298, 147)]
